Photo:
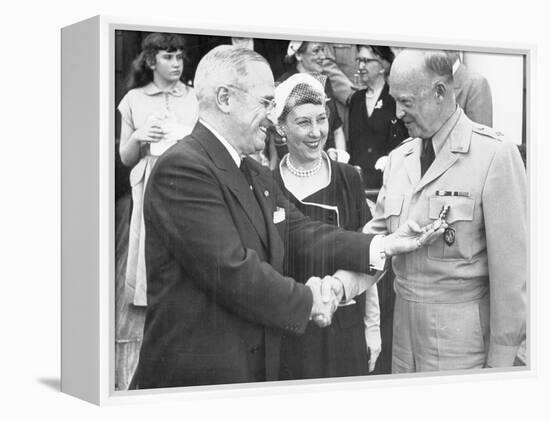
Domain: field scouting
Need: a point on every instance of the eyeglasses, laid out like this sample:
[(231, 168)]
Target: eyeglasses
[(365, 61), (269, 104)]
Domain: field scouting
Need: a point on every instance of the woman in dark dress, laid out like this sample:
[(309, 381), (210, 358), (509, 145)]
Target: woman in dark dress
[(331, 192), (374, 129)]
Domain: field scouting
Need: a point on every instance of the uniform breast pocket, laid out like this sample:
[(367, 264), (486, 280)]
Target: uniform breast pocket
[(456, 242), (393, 207)]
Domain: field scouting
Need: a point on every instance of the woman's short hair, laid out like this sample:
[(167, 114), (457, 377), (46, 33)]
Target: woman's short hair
[(438, 62), (141, 73)]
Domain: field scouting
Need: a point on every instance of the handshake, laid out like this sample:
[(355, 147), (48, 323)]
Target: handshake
[(327, 294)]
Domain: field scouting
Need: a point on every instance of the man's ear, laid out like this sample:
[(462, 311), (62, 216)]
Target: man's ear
[(223, 99), (441, 90)]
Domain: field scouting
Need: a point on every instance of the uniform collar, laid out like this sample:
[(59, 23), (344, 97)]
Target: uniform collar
[(452, 139), (152, 89), (441, 136)]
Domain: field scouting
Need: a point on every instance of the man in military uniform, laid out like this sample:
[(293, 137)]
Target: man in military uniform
[(460, 301)]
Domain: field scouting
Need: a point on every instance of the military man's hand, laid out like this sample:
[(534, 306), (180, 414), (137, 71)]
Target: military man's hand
[(410, 236)]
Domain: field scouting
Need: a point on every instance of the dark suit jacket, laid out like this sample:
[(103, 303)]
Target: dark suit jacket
[(374, 136), (217, 302)]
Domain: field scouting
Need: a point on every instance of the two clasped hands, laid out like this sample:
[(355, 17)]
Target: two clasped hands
[(328, 292)]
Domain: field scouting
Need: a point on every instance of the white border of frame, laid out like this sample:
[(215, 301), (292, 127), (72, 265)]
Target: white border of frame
[(103, 321)]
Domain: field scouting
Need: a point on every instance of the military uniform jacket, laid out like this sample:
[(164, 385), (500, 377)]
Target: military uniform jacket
[(217, 301), (482, 178)]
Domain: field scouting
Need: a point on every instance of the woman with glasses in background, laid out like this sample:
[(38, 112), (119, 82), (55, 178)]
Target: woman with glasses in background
[(374, 129)]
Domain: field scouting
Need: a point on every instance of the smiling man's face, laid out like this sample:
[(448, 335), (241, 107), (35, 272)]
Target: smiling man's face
[(250, 107)]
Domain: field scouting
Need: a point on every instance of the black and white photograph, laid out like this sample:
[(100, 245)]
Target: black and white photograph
[(301, 209), (275, 210)]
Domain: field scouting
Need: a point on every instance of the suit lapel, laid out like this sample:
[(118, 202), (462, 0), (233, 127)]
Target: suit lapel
[(234, 180), (252, 202), (265, 194)]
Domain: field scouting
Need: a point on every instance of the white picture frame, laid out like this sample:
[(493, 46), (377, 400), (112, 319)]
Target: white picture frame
[(88, 204)]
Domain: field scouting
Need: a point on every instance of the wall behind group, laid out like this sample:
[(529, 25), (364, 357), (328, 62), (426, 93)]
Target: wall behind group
[(505, 74)]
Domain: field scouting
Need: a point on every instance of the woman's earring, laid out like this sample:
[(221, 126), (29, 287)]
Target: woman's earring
[(281, 134)]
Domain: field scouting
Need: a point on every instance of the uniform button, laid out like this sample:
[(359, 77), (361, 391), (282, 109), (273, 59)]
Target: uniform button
[(369, 150), (266, 193), (254, 349)]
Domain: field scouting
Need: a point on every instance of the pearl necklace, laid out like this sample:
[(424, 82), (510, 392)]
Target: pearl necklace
[(303, 173)]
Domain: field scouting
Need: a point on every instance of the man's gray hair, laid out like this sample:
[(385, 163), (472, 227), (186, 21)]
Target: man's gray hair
[(438, 63), (224, 64)]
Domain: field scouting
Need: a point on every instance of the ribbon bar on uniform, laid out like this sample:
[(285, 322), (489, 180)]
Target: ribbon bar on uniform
[(452, 193)]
